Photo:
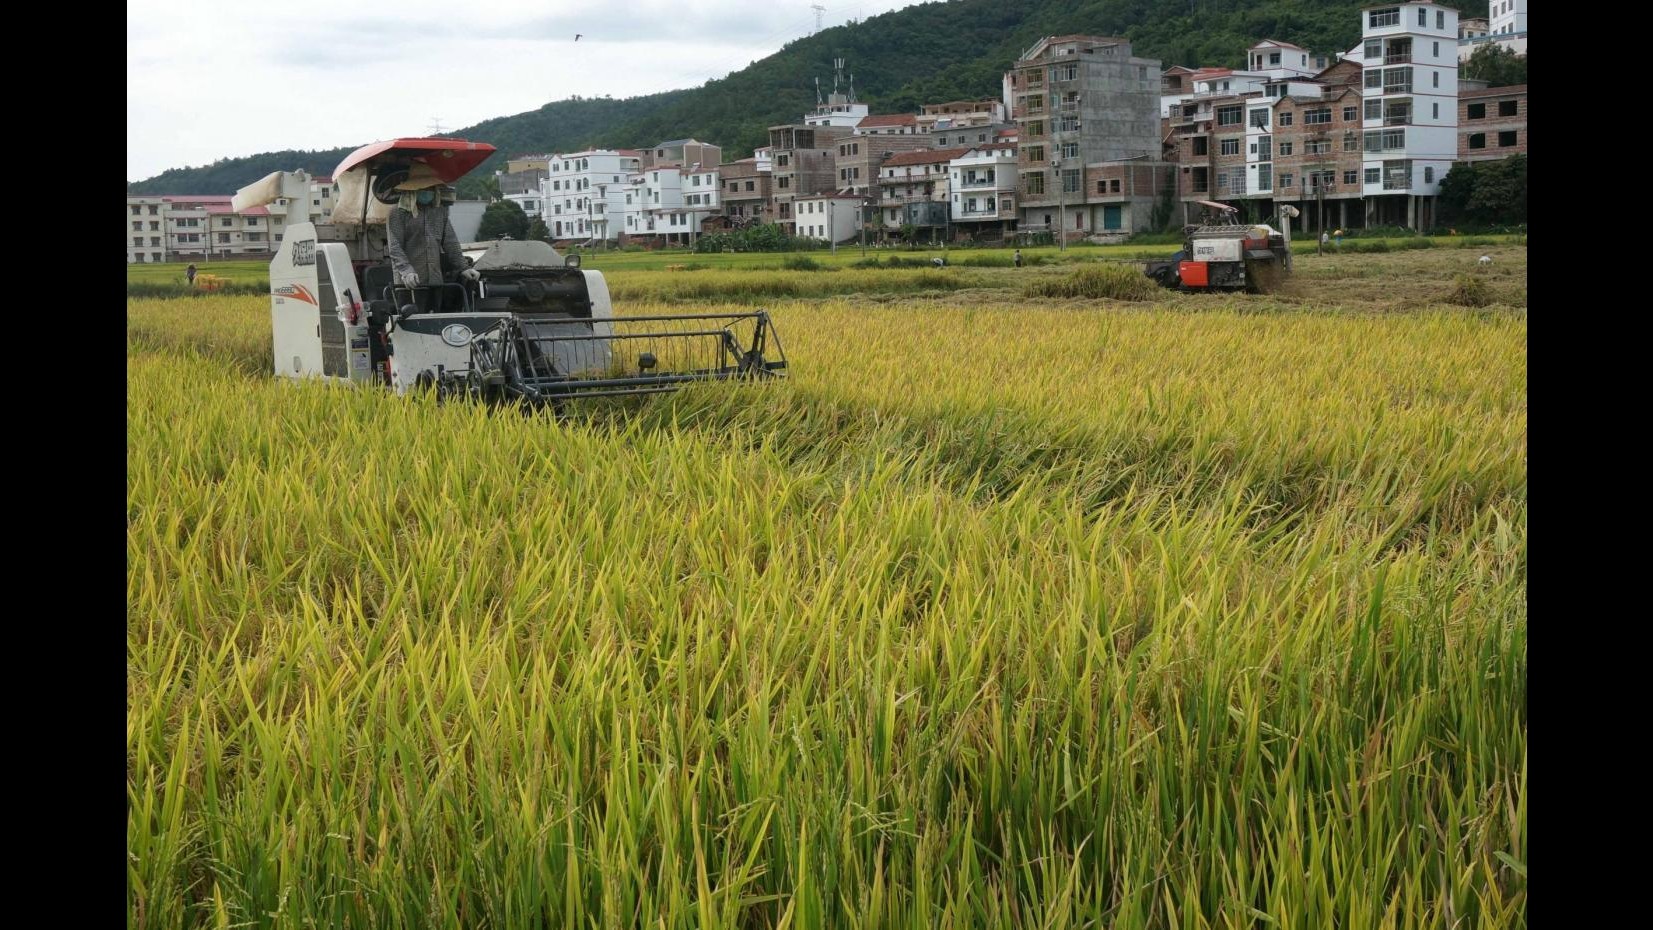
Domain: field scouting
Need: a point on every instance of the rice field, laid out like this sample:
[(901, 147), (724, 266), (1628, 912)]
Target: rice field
[(1000, 612)]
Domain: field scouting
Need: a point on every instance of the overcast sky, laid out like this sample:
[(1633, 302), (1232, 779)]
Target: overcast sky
[(223, 78)]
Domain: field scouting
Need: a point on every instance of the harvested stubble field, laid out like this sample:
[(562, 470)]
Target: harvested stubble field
[(1199, 612)]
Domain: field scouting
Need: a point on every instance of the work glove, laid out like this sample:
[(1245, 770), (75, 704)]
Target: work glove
[(409, 279), (471, 275)]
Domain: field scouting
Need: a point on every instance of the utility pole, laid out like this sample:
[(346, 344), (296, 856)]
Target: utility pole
[(1061, 204), (818, 11)]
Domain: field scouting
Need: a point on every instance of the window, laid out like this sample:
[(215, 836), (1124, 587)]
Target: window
[(1274, 58), (1350, 114), (1265, 148), (1070, 150), (1317, 116), (155, 241), (1385, 17), (1264, 176), (1285, 149), (252, 221), (1259, 119), (1285, 179), (1351, 177), (223, 237), (1113, 186), (1035, 153), (255, 237), (137, 211), (1373, 78), (1428, 174), (1374, 175), (1435, 110), (1317, 147), (1436, 75), (137, 240), (154, 210), (749, 185), (1230, 146), (1423, 17), (1374, 109), (1230, 116), (1070, 181), (1285, 118), (154, 256), (1066, 124), (1374, 48), (1506, 138), (1437, 49), (226, 221), (1036, 183), (1440, 21), (1201, 145), (1386, 140), (154, 225), (1351, 141), (1506, 108)]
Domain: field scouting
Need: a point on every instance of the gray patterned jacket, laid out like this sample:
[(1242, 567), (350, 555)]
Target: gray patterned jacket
[(417, 243)]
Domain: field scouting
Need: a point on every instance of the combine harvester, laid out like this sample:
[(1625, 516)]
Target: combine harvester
[(1227, 255), (535, 328)]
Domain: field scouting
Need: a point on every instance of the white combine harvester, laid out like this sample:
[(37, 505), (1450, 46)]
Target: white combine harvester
[(534, 328)]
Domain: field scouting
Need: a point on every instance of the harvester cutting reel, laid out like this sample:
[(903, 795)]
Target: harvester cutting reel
[(552, 361)]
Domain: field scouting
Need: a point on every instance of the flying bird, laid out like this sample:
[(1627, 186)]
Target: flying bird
[(577, 36), (1486, 259)]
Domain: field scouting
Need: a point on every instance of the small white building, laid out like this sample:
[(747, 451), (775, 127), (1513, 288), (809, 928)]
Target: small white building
[(1280, 61), (830, 217)]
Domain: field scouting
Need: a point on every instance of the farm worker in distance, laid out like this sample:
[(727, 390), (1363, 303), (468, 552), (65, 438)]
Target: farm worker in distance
[(1018, 258), (189, 275), (1339, 234), (420, 236), (1324, 238)]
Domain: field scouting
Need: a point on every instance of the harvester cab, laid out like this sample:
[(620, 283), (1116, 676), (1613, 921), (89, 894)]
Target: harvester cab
[(1223, 254), (534, 326)]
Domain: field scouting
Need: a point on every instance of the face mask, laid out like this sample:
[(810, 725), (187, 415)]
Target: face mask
[(425, 197)]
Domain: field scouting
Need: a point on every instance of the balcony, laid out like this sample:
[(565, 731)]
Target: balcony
[(1398, 184), (977, 183)]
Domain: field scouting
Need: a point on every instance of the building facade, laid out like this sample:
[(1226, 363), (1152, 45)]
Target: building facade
[(804, 159), (746, 191), (1492, 123), (1079, 101), (1410, 83), (983, 189)]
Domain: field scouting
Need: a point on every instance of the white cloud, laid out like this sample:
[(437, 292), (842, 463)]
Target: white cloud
[(209, 80)]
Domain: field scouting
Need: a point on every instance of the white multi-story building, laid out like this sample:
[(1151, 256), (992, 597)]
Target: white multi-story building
[(983, 182), (583, 192), (830, 217), (1410, 116)]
